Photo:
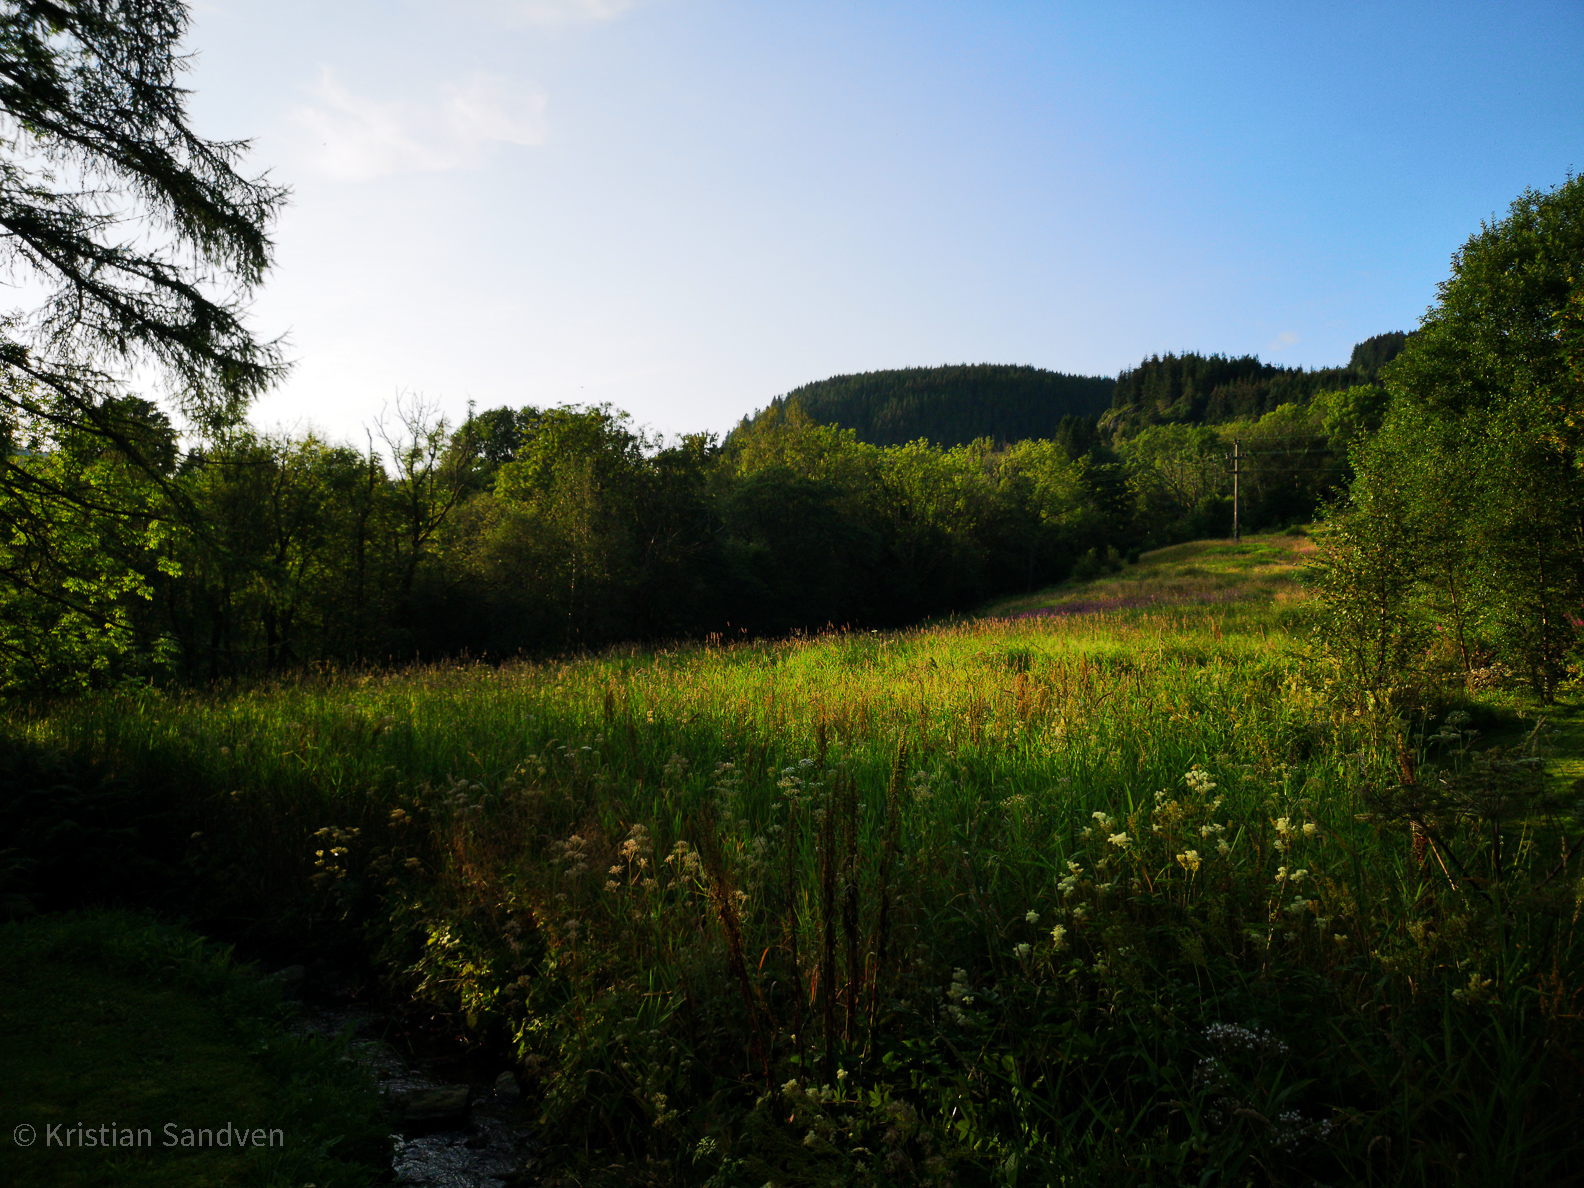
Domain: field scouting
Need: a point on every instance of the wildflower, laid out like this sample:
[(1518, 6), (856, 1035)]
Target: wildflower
[(1080, 912), (1212, 828), (685, 858), (1032, 917), (1200, 780), (958, 996), (1281, 874), (792, 1089), (1068, 885), (1284, 826), (1223, 846), (1190, 860), (1121, 840), (1230, 1035), (1479, 989), (1059, 937), (1022, 951), (1074, 867), (1105, 822), (612, 885), (959, 988), (615, 870), (1339, 937), (1310, 829), (1299, 875), (637, 844)]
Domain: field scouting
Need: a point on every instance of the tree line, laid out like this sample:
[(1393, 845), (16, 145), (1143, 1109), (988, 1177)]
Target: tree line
[(1457, 556), (956, 404), (1200, 389), (546, 529)]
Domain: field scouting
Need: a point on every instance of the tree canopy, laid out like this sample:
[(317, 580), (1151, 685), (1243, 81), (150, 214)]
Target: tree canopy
[(144, 242), (1479, 459), (143, 235), (1201, 389)]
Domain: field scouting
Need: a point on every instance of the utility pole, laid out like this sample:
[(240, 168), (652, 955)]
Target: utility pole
[(1237, 530)]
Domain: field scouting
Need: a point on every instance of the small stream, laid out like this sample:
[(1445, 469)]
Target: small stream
[(487, 1143)]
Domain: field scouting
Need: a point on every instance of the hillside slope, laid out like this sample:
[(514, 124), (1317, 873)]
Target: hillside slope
[(1252, 574), (952, 405)]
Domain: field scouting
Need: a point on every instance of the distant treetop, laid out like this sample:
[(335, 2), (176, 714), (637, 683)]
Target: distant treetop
[(951, 405), (1374, 353), (1205, 389)]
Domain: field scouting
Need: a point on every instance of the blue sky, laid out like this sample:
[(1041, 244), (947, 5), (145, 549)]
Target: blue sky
[(687, 207)]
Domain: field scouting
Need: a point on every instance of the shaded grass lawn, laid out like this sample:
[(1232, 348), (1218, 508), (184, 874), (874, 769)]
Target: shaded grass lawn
[(116, 1021)]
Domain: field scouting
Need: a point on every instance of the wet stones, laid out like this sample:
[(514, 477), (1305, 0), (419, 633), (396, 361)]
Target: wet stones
[(442, 1107)]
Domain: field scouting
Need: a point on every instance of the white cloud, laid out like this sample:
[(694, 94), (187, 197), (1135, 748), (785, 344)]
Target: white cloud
[(354, 138), (1283, 340)]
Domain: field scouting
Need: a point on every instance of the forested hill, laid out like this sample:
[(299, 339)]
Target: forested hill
[(952, 405), (1201, 389)]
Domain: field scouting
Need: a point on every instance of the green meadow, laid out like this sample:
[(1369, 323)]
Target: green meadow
[(1099, 887)]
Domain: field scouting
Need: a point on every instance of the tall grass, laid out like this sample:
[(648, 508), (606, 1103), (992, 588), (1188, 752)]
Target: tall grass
[(1104, 897)]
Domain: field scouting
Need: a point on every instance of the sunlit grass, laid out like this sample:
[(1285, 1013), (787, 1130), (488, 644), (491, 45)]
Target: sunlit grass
[(670, 872), (1260, 570)]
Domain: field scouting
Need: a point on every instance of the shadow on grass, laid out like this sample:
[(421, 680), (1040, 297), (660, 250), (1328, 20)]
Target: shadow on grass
[(139, 1054)]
